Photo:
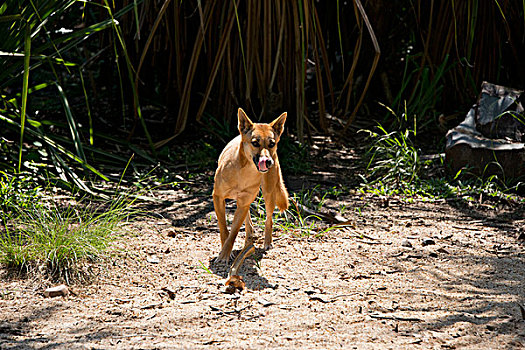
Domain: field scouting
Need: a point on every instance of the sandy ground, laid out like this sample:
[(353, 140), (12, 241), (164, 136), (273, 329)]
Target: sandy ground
[(424, 275), (442, 275)]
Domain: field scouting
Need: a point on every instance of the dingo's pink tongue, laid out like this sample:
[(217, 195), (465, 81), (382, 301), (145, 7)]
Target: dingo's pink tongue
[(262, 164)]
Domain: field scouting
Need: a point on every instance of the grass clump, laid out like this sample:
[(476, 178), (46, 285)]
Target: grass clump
[(395, 167), (394, 162), (59, 240)]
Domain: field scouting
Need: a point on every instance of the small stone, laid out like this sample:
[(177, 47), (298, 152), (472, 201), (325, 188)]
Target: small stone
[(153, 259), (428, 241), (406, 243), (57, 291)]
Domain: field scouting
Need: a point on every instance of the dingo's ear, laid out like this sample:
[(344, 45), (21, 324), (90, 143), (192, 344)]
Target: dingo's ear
[(245, 124), (278, 124)]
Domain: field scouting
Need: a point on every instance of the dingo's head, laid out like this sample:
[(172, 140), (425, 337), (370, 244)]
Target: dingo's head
[(259, 141)]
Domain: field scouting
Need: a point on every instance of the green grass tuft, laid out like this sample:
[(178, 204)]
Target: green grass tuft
[(293, 221), (59, 241), (395, 168)]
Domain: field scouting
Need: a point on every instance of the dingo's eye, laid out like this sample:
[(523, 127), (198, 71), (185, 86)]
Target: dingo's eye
[(255, 143), (271, 144)]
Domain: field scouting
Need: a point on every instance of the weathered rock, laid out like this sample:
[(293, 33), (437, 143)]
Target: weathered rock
[(57, 291), (499, 113), (490, 139)]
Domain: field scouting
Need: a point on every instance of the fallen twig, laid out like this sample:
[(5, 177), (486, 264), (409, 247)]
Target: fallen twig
[(338, 220), (372, 242), (467, 228), (394, 317)]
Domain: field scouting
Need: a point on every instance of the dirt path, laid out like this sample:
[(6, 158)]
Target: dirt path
[(424, 275)]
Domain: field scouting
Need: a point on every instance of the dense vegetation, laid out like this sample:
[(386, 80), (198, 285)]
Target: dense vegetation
[(74, 70), (88, 89)]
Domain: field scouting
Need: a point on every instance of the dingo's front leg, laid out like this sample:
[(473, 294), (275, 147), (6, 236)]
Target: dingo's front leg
[(220, 211), (243, 205)]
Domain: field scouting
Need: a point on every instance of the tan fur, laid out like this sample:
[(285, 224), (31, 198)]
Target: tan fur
[(238, 177)]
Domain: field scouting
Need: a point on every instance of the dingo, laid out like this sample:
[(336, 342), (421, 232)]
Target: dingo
[(247, 163)]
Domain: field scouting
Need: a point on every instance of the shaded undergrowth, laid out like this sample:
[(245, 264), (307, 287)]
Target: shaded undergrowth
[(57, 235)]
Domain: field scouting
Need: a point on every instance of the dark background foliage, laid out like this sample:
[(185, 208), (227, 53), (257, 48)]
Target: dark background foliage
[(166, 70), (216, 57)]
